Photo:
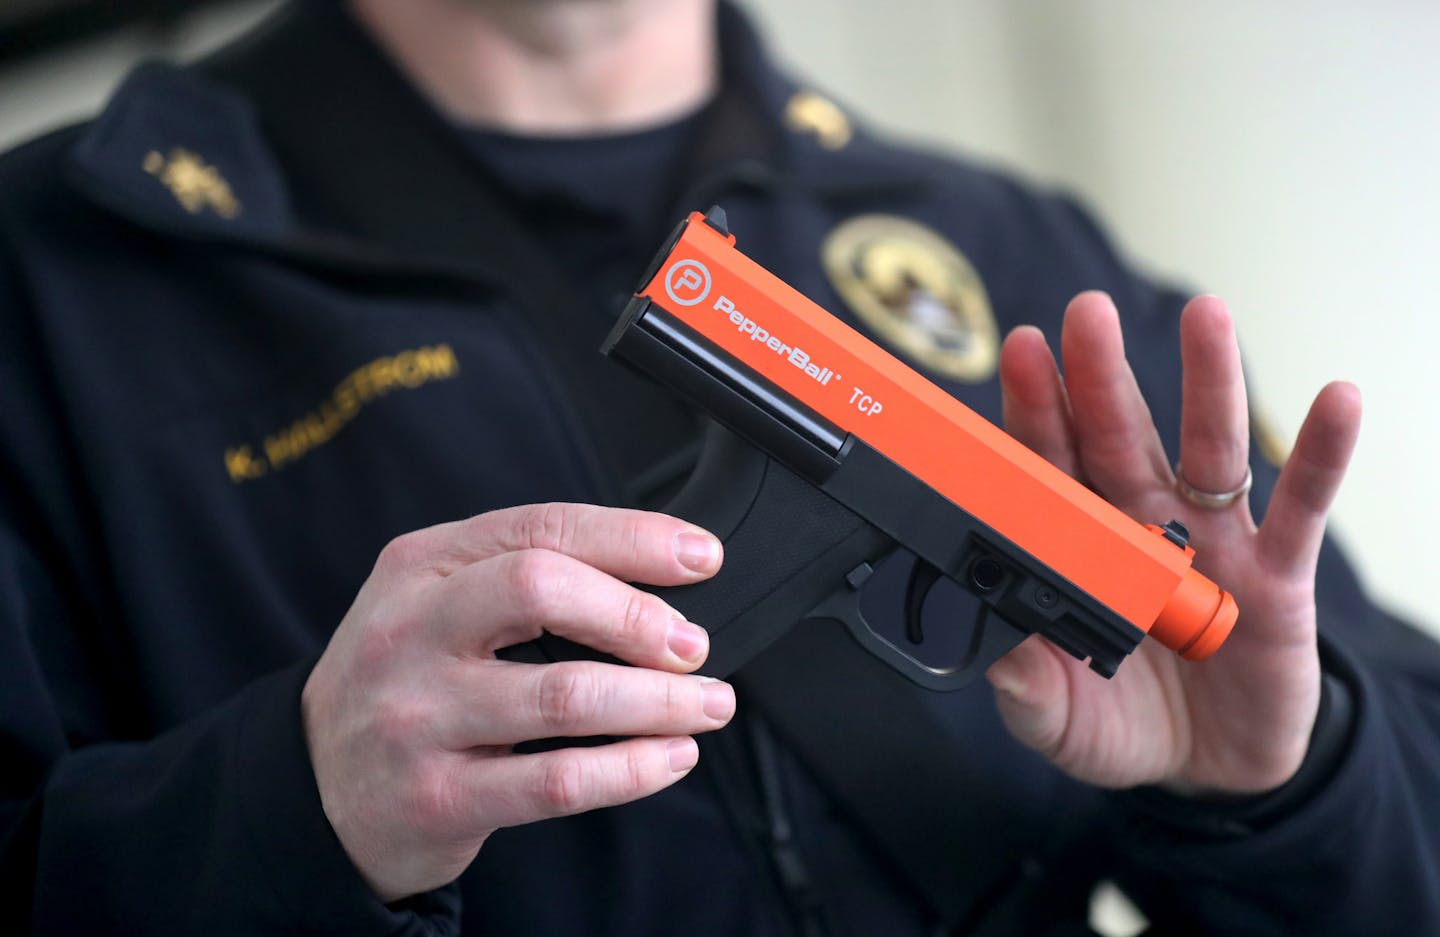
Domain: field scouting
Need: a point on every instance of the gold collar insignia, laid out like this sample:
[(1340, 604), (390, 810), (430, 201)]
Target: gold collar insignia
[(195, 184), (808, 112)]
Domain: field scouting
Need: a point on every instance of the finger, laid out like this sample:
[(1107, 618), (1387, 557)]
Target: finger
[(1214, 421), (1030, 692), (1119, 448), (516, 596), (637, 546), (504, 703), (1036, 411), (524, 788), (1294, 522)]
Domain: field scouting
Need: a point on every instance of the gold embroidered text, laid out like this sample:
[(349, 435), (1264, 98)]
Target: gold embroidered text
[(406, 370)]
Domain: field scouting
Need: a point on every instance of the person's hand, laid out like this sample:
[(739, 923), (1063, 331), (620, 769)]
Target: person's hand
[(1240, 721), (410, 718)]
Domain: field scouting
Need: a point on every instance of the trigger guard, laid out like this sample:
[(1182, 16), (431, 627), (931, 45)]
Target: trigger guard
[(994, 638)]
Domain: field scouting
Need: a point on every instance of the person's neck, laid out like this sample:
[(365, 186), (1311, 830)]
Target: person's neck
[(562, 67)]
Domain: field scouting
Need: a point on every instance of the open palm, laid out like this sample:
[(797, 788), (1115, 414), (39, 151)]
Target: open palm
[(1240, 721)]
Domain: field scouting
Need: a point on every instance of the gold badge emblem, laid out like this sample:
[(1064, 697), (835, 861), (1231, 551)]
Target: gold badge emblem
[(917, 292), (808, 112), (195, 184)]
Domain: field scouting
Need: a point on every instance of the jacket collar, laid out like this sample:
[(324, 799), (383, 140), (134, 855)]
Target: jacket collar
[(258, 144)]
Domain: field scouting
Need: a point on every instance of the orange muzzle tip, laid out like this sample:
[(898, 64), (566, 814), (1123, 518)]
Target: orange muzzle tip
[(1197, 619)]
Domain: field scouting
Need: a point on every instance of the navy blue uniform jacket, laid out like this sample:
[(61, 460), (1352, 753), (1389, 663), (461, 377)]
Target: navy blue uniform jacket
[(216, 409)]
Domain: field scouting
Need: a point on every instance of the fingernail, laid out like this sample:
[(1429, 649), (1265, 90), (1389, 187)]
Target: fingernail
[(698, 552), (719, 701), (1007, 681), (683, 755), (686, 641)]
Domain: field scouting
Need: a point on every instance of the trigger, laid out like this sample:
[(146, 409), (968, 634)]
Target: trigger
[(923, 577)]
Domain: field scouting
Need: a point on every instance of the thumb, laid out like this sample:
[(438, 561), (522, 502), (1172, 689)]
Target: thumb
[(1031, 691)]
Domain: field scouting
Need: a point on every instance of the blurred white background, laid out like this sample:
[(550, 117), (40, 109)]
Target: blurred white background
[(1283, 155)]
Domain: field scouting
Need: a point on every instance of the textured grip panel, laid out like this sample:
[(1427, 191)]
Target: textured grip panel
[(789, 525), (788, 546)]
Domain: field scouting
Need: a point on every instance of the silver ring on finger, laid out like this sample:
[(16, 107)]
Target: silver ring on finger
[(1212, 500)]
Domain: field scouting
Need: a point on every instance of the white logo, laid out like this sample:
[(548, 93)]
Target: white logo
[(794, 354), (687, 282)]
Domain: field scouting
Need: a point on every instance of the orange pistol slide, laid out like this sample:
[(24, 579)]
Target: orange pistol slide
[(835, 453)]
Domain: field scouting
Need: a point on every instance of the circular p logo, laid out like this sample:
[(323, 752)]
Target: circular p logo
[(687, 282)]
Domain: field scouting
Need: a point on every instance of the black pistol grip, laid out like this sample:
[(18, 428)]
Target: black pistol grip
[(788, 546)]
